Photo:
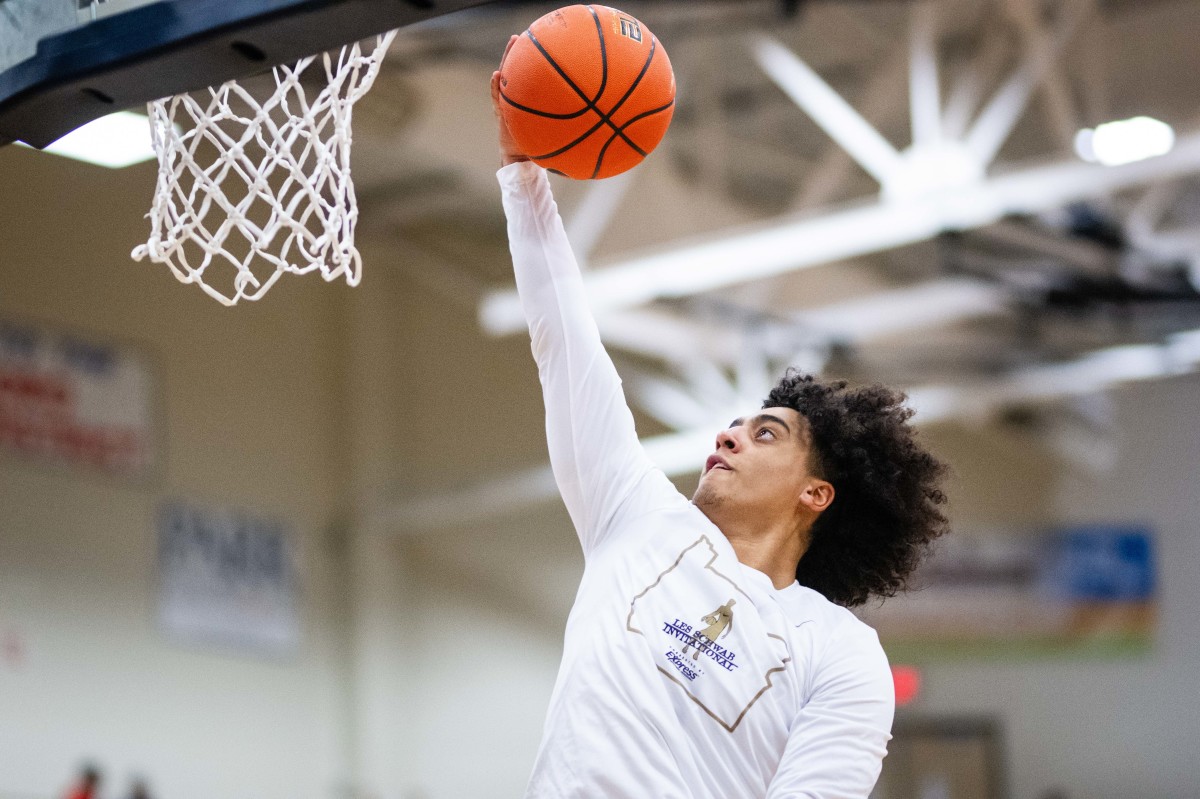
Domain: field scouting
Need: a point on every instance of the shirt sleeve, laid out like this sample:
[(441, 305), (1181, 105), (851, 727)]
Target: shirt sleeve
[(838, 740), (599, 463)]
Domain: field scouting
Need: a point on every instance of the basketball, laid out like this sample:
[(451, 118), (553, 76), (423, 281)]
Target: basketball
[(587, 91)]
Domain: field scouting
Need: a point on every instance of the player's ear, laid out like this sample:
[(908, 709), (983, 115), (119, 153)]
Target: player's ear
[(817, 495)]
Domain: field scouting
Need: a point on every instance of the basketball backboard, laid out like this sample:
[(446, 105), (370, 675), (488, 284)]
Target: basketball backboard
[(66, 62)]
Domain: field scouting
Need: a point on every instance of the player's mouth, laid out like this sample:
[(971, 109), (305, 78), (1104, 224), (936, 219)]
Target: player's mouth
[(716, 462)]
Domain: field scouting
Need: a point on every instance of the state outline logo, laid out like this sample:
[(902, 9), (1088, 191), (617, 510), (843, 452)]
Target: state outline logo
[(767, 682)]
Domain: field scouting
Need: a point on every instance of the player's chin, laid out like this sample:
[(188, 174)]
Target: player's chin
[(706, 494)]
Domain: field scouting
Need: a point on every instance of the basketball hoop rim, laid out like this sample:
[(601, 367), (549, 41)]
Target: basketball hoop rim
[(175, 46)]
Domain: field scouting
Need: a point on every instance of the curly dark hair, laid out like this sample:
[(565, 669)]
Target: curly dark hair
[(885, 511)]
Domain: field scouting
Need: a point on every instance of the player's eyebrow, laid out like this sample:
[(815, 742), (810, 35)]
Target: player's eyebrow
[(763, 417)]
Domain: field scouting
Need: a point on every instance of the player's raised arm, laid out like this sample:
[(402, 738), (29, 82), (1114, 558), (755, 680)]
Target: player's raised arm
[(599, 464)]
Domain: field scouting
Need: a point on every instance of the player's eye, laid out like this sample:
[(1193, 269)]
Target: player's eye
[(765, 431)]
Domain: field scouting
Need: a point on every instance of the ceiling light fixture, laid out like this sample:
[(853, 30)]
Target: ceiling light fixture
[(1124, 141), (115, 141)]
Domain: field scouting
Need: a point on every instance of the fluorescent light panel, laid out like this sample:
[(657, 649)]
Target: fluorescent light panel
[(115, 141), (1124, 141)]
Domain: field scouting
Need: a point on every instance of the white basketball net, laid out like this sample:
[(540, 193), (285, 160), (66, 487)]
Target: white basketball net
[(249, 189)]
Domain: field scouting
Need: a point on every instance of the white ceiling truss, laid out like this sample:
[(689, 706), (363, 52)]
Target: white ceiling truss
[(714, 358), (683, 452)]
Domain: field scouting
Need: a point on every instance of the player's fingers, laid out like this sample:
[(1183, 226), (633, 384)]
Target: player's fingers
[(511, 41)]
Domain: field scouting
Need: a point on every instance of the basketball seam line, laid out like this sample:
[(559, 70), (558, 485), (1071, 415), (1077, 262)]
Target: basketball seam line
[(621, 130), (545, 114), (613, 138), (604, 118), (589, 104), (603, 55)]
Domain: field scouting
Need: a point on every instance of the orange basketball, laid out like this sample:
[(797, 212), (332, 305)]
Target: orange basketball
[(587, 91)]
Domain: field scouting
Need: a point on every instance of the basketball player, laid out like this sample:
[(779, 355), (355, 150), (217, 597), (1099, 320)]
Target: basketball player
[(709, 652)]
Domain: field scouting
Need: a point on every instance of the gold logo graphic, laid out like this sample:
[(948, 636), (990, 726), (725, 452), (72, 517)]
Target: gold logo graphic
[(720, 622)]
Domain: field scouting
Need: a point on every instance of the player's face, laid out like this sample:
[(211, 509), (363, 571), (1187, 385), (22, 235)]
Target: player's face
[(760, 461)]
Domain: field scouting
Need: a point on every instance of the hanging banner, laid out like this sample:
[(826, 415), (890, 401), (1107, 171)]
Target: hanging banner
[(1083, 590), (227, 578), (74, 401)]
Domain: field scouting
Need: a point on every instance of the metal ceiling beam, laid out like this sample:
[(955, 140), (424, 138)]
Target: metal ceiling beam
[(998, 118), (1057, 98), (924, 96), (524, 488), (592, 216), (677, 338), (799, 243), (840, 121), (967, 90), (684, 452), (669, 337), (880, 101)]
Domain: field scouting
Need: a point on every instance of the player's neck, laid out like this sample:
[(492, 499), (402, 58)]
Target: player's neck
[(773, 547)]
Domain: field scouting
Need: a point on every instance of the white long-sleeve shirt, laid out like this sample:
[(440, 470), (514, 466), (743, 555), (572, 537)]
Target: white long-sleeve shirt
[(685, 674)]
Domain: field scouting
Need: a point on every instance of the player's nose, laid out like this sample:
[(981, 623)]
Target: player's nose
[(726, 439)]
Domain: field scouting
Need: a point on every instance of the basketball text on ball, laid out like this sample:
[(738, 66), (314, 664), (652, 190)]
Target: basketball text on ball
[(587, 91), (631, 28)]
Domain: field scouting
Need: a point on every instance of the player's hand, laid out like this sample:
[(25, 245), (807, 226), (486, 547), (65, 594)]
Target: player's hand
[(509, 152)]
